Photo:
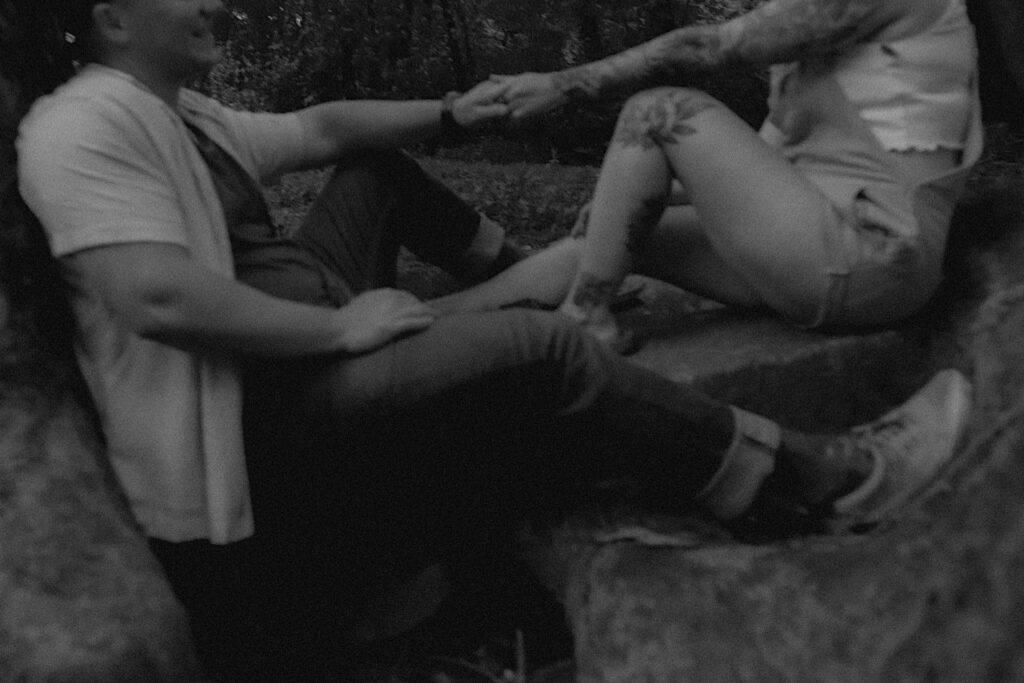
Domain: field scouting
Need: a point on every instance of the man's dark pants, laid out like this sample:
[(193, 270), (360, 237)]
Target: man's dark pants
[(366, 468)]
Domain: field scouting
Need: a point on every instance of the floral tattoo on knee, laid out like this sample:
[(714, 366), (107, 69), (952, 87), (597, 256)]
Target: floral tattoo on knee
[(661, 117)]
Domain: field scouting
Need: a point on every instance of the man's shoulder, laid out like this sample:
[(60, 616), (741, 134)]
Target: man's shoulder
[(57, 122), (91, 100)]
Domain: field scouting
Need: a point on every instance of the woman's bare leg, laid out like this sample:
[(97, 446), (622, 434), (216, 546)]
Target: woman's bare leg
[(544, 276), (680, 252), (628, 202), (758, 214)]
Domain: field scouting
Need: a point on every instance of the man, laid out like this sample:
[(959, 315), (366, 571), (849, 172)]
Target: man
[(357, 395)]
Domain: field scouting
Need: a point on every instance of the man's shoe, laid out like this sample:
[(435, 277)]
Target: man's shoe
[(909, 447)]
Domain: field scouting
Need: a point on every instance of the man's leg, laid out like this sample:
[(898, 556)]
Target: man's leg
[(387, 455), (480, 379), (379, 201)]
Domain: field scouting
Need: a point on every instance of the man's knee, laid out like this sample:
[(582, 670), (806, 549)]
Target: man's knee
[(373, 166), (557, 342), (662, 116)]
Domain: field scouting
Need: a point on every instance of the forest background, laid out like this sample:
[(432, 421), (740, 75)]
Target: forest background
[(286, 54)]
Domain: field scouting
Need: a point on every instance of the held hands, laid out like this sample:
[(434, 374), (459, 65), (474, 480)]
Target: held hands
[(529, 94), (482, 103), (378, 316), (513, 97)]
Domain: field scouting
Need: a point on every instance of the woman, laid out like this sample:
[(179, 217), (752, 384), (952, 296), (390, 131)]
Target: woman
[(834, 214)]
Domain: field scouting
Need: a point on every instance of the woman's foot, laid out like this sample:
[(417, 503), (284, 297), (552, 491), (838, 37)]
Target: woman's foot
[(600, 323), (592, 303)]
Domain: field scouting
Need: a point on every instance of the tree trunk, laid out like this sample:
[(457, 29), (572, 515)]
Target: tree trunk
[(999, 25), (1009, 22), (456, 31), (82, 597), (588, 23)]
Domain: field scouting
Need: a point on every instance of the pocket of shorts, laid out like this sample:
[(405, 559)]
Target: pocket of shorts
[(884, 231)]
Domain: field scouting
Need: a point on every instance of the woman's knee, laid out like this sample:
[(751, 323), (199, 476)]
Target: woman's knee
[(658, 116)]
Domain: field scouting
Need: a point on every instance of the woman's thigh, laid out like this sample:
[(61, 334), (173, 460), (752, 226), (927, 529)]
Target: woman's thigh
[(678, 251), (760, 214)]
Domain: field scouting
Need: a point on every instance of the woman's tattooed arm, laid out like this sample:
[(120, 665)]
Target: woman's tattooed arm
[(776, 31)]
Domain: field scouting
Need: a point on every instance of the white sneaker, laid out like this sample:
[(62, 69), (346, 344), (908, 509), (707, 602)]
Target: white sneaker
[(910, 446)]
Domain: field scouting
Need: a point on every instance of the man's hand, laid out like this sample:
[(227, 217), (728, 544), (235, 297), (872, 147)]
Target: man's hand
[(374, 318), (530, 94), (482, 103), (158, 292)]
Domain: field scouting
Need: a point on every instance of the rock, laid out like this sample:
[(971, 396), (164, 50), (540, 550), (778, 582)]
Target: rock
[(931, 594), (82, 598), (4, 313)]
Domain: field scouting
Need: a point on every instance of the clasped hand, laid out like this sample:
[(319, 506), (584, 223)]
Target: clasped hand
[(529, 94), (512, 97)]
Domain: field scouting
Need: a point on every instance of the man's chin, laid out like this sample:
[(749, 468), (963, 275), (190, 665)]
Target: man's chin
[(205, 65)]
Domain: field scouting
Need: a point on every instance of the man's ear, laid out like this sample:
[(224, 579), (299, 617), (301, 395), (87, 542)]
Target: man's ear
[(109, 22)]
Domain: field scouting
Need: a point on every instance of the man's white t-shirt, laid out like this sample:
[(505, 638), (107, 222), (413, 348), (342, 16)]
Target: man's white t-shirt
[(103, 161)]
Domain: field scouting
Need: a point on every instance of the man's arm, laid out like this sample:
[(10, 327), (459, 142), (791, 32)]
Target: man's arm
[(774, 32), (336, 128), (159, 293)]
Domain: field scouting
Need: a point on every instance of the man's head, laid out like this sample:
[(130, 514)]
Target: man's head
[(165, 39)]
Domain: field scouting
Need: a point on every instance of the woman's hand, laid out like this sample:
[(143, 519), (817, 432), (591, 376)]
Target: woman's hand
[(378, 316), (530, 94), (482, 103)]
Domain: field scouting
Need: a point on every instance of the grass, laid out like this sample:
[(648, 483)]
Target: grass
[(534, 202), (537, 203)]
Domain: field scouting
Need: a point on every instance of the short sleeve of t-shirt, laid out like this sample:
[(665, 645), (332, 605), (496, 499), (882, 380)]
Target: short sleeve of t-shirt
[(267, 144), (92, 180)]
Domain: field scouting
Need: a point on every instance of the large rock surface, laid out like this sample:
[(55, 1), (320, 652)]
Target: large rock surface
[(931, 595), (81, 597)]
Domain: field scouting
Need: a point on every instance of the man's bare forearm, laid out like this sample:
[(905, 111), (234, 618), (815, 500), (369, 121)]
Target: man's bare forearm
[(776, 31)]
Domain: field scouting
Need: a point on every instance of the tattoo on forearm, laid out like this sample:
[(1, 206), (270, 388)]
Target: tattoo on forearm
[(660, 117), (774, 32), (642, 222), (789, 30), (663, 60), (592, 291)]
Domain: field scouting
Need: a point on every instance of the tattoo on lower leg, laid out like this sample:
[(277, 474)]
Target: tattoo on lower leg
[(660, 117), (642, 222), (592, 291)]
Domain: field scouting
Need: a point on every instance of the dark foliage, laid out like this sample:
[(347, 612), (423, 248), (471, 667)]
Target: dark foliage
[(287, 54), (33, 60)]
